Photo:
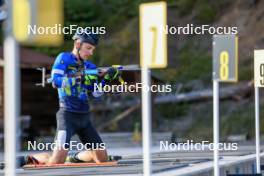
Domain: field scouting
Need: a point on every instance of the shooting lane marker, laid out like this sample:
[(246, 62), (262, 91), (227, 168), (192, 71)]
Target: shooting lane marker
[(225, 63), (258, 82), (153, 54)]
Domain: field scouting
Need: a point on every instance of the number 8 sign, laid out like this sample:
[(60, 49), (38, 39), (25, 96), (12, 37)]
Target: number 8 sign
[(259, 68), (225, 58)]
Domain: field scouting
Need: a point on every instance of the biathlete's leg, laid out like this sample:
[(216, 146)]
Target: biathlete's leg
[(65, 130), (96, 156), (95, 148), (40, 158), (58, 156)]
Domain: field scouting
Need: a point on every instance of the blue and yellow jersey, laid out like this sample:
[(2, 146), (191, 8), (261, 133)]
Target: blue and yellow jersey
[(73, 95)]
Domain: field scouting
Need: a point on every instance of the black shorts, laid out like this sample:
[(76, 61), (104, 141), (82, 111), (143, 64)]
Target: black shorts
[(71, 123)]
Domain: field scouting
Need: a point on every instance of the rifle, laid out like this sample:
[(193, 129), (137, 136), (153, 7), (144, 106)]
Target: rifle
[(46, 79)]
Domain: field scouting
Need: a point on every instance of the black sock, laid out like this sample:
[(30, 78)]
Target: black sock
[(73, 158), (114, 157)]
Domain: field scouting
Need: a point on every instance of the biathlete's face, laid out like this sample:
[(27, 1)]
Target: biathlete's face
[(86, 50)]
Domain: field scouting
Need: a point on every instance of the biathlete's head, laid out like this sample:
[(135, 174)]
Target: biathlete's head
[(84, 44)]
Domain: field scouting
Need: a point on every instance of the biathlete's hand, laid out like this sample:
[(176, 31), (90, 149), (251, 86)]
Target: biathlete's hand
[(112, 74), (78, 79), (90, 79), (102, 72)]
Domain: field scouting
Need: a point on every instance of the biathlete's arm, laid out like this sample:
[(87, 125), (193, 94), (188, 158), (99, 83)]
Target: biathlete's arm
[(58, 74)]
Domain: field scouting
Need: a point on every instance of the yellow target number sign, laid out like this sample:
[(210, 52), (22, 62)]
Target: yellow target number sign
[(153, 39), (259, 68), (225, 60)]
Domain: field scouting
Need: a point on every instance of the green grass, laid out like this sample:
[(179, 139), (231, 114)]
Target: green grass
[(235, 118), (185, 7), (172, 111), (245, 70), (195, 64), (205, 13)]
